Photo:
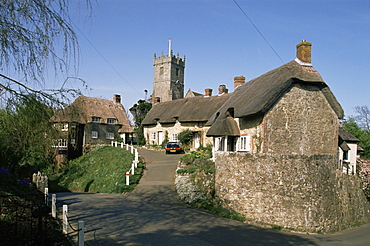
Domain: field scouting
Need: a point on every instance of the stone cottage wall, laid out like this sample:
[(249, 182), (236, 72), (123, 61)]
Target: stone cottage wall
[(299, 192), (301, 122)]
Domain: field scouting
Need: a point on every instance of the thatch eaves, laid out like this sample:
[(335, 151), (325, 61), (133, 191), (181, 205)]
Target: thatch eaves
[(84, 108), (346, 136), (259, 94), (192, 109)]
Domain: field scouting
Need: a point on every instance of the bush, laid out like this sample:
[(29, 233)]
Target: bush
[(189, 169), (185, 137), (187, 159)]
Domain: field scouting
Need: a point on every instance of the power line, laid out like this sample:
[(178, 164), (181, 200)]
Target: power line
[(245, 14), (106, 60)]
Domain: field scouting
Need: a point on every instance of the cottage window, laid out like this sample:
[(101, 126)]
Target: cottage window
[(174, 137), (64, 127), (111, 121), (94, 134), (346, 155), (60, 143), (95, 119), (110, 135), (153, 135), (220, 143), (200, 124), (244, 143)]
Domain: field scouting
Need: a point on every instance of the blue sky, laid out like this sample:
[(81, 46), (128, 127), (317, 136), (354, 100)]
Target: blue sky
[(219, 43)]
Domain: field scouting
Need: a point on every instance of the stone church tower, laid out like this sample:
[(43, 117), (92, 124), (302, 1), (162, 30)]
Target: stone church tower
[(168, 82)]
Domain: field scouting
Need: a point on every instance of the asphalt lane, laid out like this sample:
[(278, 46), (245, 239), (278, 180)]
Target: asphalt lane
[(153, 215)]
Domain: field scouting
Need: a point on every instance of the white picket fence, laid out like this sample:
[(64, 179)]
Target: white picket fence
[(133, 150)]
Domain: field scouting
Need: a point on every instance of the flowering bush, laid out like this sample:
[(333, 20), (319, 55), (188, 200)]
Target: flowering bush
[(188, 191), (24, 182), (4, 171)]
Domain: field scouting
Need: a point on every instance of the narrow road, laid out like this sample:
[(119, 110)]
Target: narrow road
[(153, 215)]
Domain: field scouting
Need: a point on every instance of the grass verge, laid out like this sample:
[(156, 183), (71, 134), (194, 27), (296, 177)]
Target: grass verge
[(101, 171)]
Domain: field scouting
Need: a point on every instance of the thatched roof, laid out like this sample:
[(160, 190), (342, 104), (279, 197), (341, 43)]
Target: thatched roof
[(192, 109), (259, 94), (346, 136), (84, 108)]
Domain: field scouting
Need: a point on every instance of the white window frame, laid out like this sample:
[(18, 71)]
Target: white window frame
[(60, 142), (64, 127), (244, 143), (95, 119), (175, 137), (111, 121), (94, 134), (220, 143), (153, 135), (110, 135)]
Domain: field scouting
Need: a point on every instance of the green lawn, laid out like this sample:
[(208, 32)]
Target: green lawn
[(102, 170)]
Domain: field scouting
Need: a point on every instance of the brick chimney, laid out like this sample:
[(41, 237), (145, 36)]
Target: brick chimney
[(238, 80), (156, 100), (208, 92), (304, 52), (117, 98), (222, 89)]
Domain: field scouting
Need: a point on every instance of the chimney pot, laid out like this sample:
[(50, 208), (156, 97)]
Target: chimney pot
[(208, 92), (304, 51), (222, 89), (117, 98), (157, 100), (238, 80)]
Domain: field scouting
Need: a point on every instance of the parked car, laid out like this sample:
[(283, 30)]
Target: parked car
[(173, 147)]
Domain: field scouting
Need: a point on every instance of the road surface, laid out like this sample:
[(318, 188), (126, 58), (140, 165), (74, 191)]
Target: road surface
[(153, 215)]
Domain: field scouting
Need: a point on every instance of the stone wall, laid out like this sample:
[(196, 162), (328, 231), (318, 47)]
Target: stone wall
[(298, 192), (301, 122)]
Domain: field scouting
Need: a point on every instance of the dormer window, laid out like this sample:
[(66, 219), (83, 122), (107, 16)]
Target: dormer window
[(95, 119), (111, 121)]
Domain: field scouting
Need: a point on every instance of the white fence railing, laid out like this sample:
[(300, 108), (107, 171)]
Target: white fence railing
[(133, 150)]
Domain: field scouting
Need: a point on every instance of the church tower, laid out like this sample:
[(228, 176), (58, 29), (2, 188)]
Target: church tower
[(168, 82)]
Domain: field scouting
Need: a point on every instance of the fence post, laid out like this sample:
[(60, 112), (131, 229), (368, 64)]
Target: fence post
[(46, 192), (53, 205), (136, 157), (81, 232), (133, 168), (132, 149), (127, 145), (65, 219), (127, 178), (112, 143), (121, 145)]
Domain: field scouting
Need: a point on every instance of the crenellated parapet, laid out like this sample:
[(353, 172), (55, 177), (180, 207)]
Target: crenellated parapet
[(169, 58)]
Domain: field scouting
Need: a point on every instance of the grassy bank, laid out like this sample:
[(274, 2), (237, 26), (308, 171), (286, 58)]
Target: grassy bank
[(102, 171)]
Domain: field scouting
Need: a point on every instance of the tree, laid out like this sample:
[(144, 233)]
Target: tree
[(26, 136), (139, 110), (363, 135), (34, 33), (363, 117)]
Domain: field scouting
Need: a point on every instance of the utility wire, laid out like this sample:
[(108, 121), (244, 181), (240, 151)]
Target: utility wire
[(245, 14), (106, 59)]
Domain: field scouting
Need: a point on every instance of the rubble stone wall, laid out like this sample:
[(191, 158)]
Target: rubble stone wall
[(298, 192)]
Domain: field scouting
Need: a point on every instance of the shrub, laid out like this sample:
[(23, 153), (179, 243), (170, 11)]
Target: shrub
[(185, 137), (187, 159)]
